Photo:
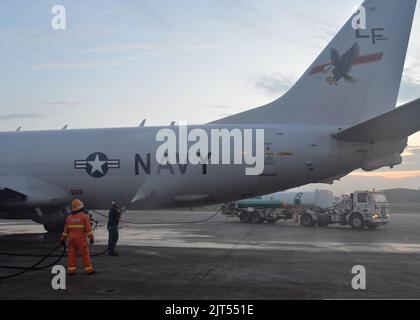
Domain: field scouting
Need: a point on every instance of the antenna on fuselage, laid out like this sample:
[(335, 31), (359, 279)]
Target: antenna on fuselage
[(65, 127), (173, 124), (18, 129), (143, 123)]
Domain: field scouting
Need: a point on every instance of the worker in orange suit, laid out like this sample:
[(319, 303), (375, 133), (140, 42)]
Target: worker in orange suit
[(76, 230)]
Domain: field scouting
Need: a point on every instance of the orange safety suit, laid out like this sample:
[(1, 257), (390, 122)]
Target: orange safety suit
[(76, 229)]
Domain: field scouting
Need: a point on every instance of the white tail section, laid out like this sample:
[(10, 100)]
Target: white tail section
[(357, 76)]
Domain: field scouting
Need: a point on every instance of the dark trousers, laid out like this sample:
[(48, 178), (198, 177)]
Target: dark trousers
[(112, 237)]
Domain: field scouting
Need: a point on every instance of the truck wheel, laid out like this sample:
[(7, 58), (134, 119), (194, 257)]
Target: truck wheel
[(256, 218), (307, 221), (357, 222), (323, 224), (244, 217), (271, 221), (373, 226)]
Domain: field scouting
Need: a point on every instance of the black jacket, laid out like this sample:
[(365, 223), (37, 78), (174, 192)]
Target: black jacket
[(113, 217)]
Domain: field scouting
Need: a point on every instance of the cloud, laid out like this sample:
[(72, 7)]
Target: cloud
[(63, 103), (80, 65), (151, 11), (219, 107), (204, 46), (408, 153), (224, 115), (147, 47), (239, 13), (21, 116), (273, 85), (117, 48), (411, 75), (320, 28), (411, 151), (151, 49), (388, 175), (411, 159)]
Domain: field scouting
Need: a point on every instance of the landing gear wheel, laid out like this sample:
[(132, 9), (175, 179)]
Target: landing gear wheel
[(244, 217), (307, 221), (54, 227), (357, 222)]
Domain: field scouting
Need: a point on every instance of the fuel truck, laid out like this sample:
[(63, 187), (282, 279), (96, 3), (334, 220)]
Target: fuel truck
[(360, 210)]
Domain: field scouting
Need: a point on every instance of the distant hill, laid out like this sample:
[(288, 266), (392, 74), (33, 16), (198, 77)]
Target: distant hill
[(403, 196)]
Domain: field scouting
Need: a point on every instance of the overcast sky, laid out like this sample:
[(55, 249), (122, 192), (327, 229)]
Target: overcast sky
[(191, 60)]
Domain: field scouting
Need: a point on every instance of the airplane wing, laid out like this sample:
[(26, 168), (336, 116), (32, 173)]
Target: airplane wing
[(395, 125)]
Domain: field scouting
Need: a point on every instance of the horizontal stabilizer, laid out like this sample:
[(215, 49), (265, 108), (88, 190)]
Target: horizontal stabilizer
[(395, 125)]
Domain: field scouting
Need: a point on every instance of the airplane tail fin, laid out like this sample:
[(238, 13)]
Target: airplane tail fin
[(356, 77)]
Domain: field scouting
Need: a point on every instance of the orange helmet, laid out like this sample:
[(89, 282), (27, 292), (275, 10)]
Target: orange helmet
[(77, 205)]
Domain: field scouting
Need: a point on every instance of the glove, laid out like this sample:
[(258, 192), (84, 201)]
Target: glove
[(91, 241), (63, 243)]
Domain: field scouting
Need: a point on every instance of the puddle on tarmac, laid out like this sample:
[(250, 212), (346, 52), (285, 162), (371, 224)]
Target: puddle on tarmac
[(179, 238)]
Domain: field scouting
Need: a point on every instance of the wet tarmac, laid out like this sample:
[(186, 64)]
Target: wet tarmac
[(224, 259)]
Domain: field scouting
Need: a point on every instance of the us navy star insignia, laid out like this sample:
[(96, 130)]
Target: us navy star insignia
[(97, 164)]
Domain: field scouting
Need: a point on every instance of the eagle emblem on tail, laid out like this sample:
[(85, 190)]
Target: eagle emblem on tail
[(341, 65)]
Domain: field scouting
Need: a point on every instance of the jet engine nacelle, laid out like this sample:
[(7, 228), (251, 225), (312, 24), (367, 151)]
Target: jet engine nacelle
[(26, 192), (15, 215)]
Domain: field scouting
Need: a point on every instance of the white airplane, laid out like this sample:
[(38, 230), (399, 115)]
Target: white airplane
[(339, 117)]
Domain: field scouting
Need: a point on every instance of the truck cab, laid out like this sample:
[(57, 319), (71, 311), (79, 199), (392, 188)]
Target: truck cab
[(360, 210), (369, 209)]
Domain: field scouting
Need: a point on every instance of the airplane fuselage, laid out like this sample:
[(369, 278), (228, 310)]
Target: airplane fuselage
[(294, 156)]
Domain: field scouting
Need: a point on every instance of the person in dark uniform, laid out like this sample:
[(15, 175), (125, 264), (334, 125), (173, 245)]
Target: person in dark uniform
[(113, 221)]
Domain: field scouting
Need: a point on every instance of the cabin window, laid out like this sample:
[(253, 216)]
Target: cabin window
[(363, 198)]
